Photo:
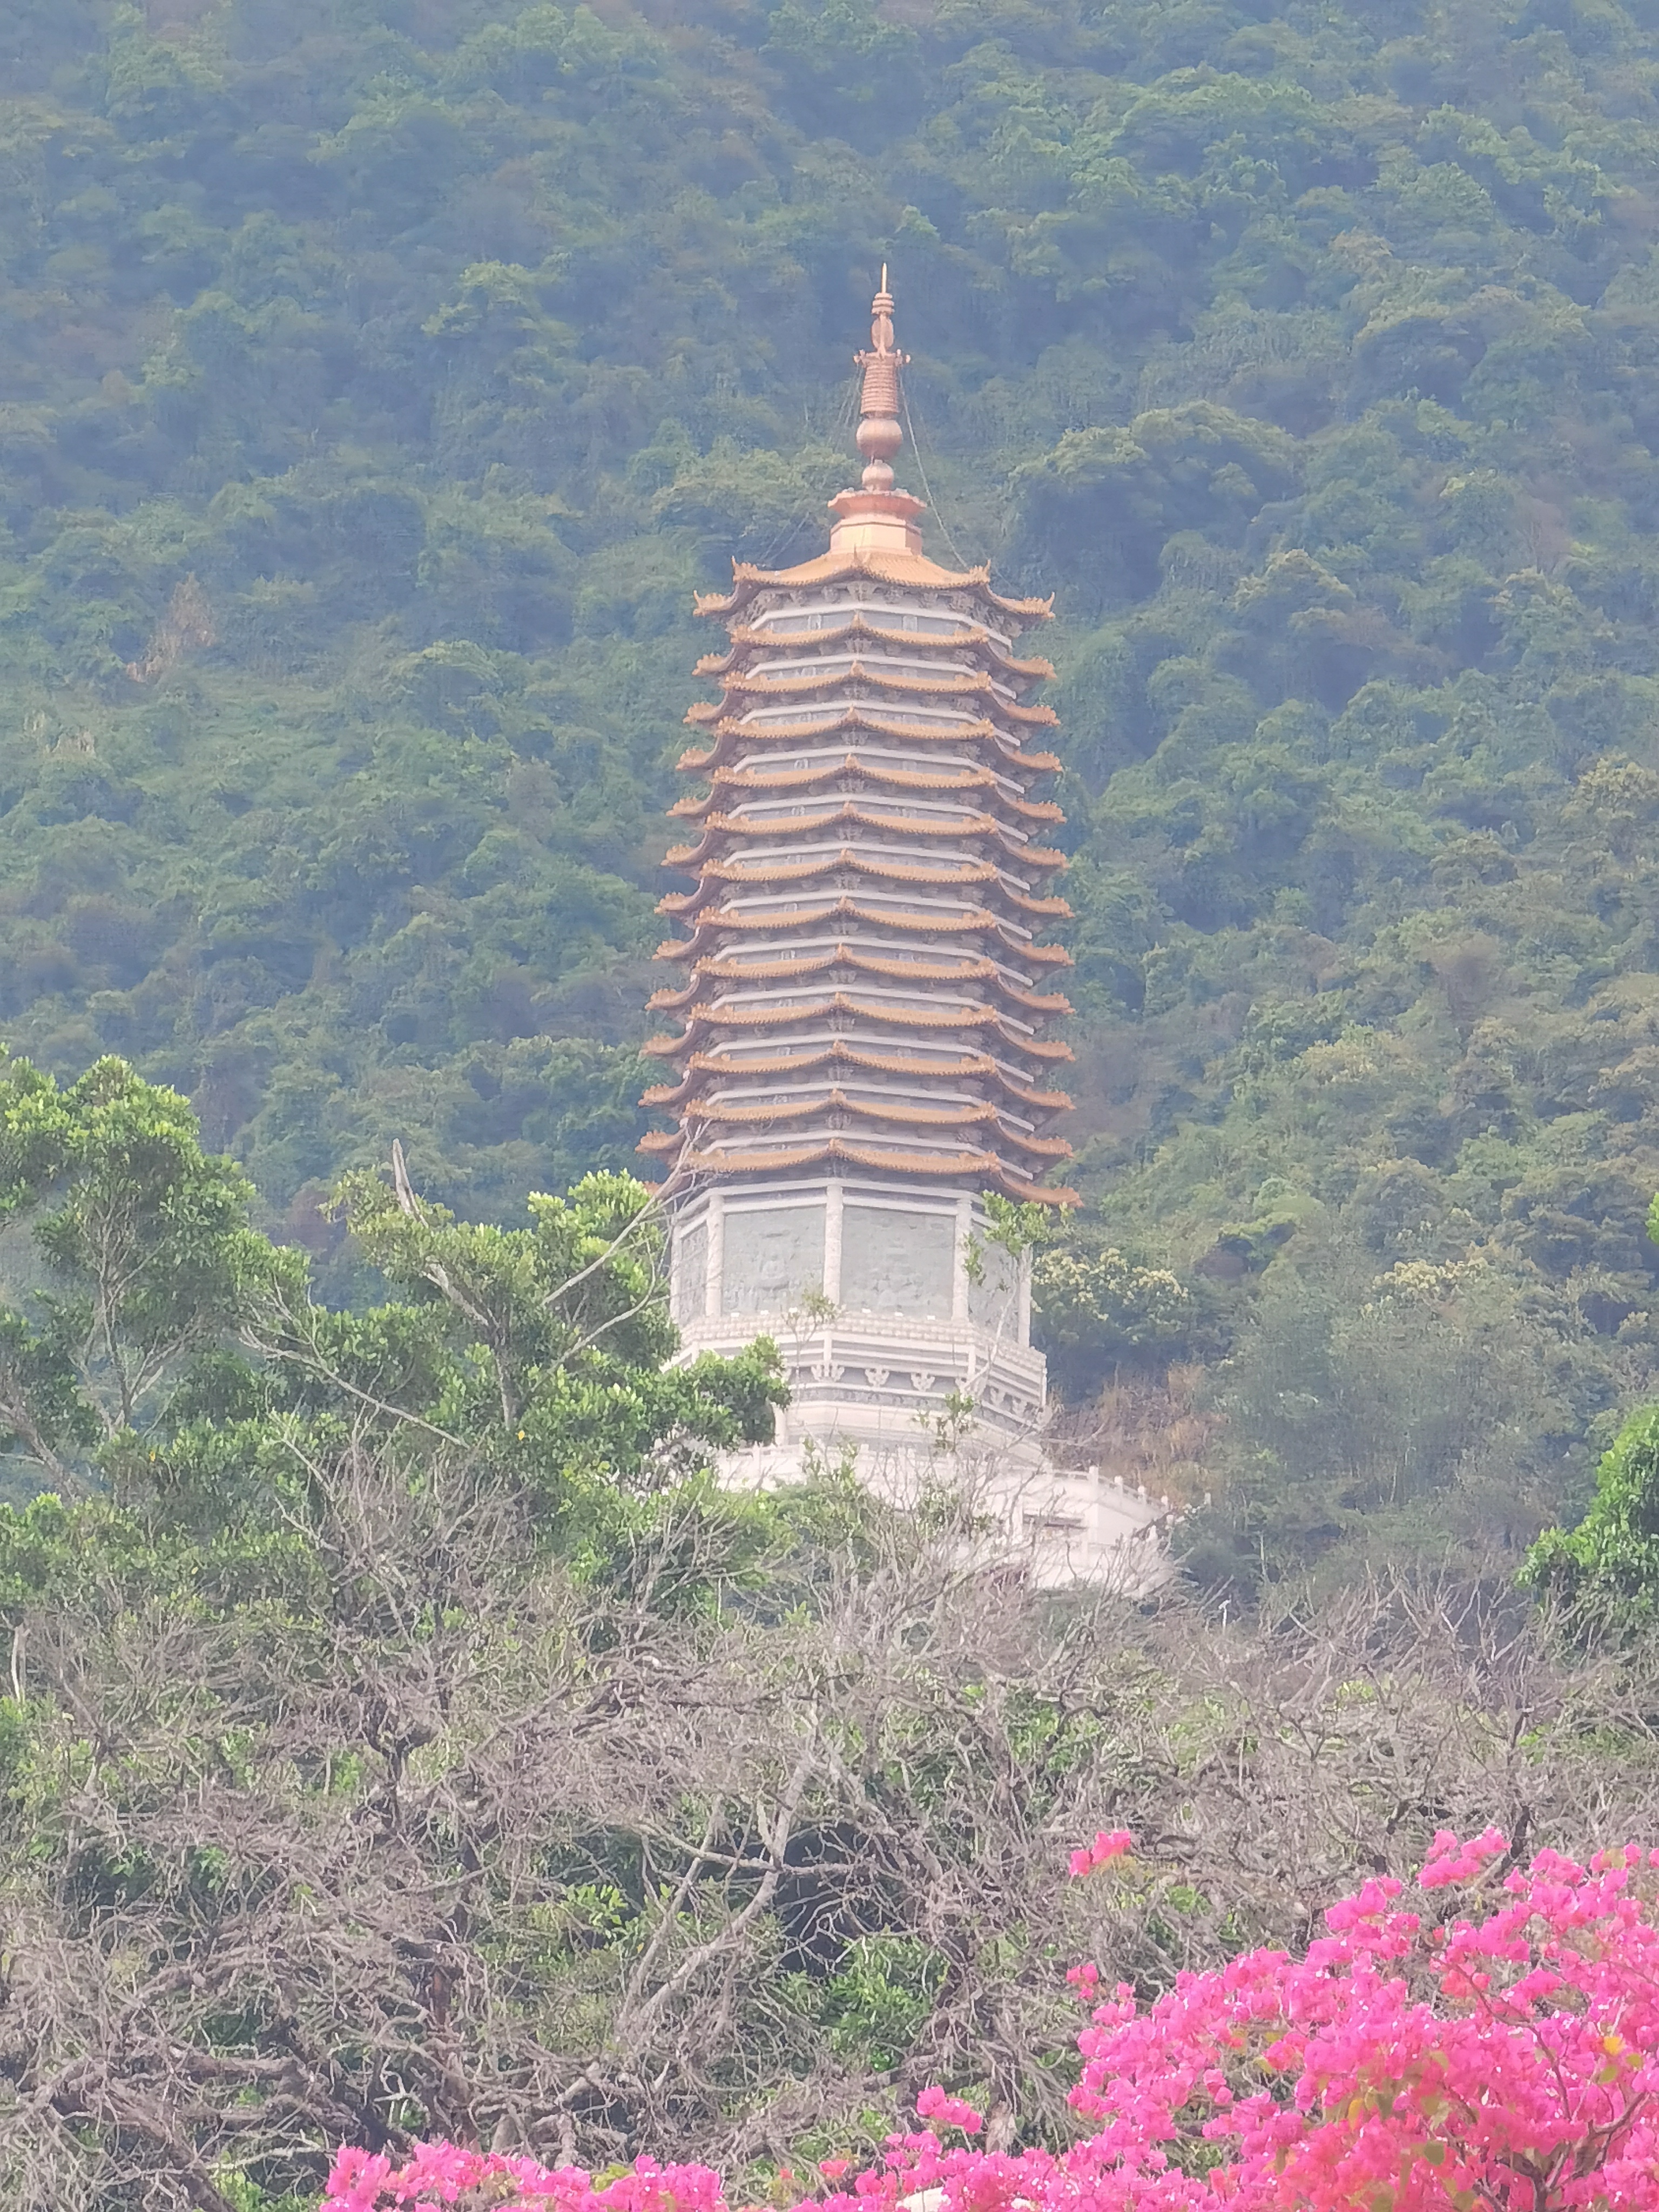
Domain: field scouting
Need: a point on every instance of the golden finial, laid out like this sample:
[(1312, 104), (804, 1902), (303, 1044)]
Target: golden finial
[(879, 436)]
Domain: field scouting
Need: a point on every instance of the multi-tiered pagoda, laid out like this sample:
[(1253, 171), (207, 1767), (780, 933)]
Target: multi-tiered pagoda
[(864, 1047)]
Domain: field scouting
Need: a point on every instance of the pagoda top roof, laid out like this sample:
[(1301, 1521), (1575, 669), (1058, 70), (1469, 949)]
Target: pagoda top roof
[(882, 565), (877, 530)]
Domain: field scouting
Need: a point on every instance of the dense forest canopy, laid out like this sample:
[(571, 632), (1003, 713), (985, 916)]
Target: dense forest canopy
[(379, 377)]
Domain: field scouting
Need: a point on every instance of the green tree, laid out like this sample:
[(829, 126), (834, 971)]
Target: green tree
[(145, 1244), (1609, 1563), (169, 1344), (1096, 1310)]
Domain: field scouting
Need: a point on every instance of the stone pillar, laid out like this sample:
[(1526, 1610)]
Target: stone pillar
[(832, 1215), (960, 1286), (716, 1255)]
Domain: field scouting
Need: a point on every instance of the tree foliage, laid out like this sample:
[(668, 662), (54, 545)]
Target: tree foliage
[(1609, 1563), (168, 1349)]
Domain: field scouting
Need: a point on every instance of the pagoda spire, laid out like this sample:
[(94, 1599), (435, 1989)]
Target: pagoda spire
[(877, 518), (879, 436)]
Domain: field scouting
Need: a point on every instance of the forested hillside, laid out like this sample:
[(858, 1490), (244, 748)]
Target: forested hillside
[(378, 378)]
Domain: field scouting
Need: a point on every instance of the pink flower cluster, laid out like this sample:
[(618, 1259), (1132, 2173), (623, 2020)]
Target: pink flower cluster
[(950, 2112), (1105, 1846), (441, 2173), (1497, 2050)]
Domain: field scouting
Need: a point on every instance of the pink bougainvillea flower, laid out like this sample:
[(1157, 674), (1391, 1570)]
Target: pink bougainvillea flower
[(935, 2103), (1107, 1845)]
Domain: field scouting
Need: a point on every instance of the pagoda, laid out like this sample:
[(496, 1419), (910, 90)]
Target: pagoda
[(864, 1051)]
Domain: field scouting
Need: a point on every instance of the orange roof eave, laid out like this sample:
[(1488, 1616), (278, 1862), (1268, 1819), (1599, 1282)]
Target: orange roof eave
[(700, 1019), (841, 1053), (793, 872), (914, 569), (978, 921), (844, 956), (719, 827), (921, 1117), (736, 742), (739, 685), (854, 716), (985, 1165), (742, 634), (767, 778), (715, 873)]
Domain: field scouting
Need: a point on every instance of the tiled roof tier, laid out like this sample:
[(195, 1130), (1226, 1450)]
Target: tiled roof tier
[(870, 1109), (860, 990), (872, 769), (715, 923), (861, 625), (834, 1113), (965, 1068), (920, 972), (825, 1007), (988, 1171), (713, 873), (719, 828), (983, 1169), (735, 740), (873, 673)]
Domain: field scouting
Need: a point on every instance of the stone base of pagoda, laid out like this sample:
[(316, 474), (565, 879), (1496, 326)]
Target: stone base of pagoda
[(922, 1407), (889, 1379)]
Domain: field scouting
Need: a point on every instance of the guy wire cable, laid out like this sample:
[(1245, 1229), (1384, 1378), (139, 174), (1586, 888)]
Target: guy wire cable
[(786, 531), (921, 471), (847, 408), (845, 412)]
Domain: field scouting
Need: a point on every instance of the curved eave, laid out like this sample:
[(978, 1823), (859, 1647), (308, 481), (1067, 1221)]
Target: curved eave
[(729, 780), (738, 687), (1052, 1149), (700, 1021), (914, 570), (867, 963), (714, 874), (719, 828), (978, 921), (735, 741), (971, 1067), (855, 717), (746, 638), (983, 1167)]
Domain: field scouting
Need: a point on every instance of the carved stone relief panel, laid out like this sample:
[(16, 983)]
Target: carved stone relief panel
[(690, 1271), (772, 1257), (994, 1300), (893, 1263)]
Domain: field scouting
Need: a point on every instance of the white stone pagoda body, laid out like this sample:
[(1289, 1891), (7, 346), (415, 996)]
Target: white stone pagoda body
[(863, 1060)]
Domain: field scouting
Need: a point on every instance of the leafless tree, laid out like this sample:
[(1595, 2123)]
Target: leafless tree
[(431, 1843)]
